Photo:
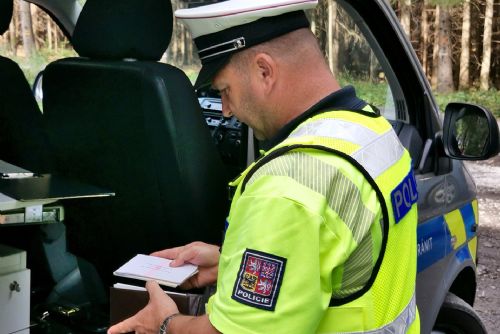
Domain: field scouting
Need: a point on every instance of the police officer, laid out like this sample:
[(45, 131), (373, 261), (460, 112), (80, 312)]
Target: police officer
[(321, 235)]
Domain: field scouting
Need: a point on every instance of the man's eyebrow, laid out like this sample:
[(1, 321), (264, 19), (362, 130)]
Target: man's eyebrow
[(213, 85), (218, 88)]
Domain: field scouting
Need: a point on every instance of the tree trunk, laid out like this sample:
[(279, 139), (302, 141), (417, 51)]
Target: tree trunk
[(445, 64), (49, 34), (486, 62), (406, 16), (33, 14), (13, 30), (373, 68), (463, 78), (333, 40), (321, 18), (173, 50), (435, 49), (424, 36), (190, 49), (183, 47), (56, 37), (26, 29), (12, 37)]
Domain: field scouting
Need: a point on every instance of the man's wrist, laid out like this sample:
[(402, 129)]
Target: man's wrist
[(165, 323)]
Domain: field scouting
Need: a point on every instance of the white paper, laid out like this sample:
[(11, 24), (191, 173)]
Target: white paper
[(146, 267), (128, 287), (140, 288)]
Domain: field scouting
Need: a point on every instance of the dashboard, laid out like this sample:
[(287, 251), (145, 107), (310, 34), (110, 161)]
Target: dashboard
[(229, 135)]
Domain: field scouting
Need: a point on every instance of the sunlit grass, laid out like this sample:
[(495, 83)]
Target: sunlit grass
[(31, 66), (376, 94), (489, 99)]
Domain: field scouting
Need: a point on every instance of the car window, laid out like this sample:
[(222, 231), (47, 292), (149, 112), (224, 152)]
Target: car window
[(35, 44), (351, 50), (356, 58)]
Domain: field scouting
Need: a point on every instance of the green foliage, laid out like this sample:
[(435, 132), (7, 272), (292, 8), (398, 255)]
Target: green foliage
[(446, 3), (376, 94), (192, 73), (31, 66), (489, 99), (373, 93)]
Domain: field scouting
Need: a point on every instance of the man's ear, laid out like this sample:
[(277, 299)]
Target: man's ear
[(267, 71)]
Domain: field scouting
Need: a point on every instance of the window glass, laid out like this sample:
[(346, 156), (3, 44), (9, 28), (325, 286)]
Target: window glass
[(353, 55), (356, 58), (36, 43)]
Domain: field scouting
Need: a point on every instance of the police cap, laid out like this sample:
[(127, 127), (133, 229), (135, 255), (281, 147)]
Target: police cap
[(222, 29)]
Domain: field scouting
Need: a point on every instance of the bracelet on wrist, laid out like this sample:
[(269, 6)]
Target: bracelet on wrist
[(164, 324)]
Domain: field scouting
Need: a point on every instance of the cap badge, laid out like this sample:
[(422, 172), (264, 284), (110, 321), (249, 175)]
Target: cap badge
[(239, 43), (222, 48)]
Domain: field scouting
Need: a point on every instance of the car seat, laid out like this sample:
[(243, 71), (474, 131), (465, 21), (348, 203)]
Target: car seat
[(22, 138), (56, 275), (119, 119)]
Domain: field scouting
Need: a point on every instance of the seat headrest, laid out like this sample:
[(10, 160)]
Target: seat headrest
[(5, 15), (111, 29)]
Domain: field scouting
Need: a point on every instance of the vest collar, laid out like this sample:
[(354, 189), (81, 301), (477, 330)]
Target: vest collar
[(344, 98)]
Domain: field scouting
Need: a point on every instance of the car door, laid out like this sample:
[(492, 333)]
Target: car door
[(369, 50)]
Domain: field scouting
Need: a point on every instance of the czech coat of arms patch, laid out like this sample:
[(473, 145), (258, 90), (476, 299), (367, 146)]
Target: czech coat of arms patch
[(259, 279)]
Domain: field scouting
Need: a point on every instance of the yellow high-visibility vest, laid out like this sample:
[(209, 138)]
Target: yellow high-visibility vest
[(332, 210)]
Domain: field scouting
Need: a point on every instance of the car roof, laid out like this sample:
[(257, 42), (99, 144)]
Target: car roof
[(64, 12)]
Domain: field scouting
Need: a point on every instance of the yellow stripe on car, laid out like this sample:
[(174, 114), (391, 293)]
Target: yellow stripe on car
[(456, 226)]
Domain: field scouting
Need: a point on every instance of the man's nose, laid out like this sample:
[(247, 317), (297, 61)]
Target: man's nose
[(226, 111)]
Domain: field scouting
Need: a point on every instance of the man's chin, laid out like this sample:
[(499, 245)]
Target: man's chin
[(259, 136)]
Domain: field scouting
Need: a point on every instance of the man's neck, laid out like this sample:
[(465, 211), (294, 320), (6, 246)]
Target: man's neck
[(344, 98), (302, 93)]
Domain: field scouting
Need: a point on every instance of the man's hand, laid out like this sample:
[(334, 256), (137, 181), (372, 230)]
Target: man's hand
[(149, 319), (205, 256)]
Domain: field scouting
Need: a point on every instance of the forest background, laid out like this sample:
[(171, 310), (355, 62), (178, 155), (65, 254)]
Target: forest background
[(456, 41)]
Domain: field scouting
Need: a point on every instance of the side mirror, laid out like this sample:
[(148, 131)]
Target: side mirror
[(470, 132)]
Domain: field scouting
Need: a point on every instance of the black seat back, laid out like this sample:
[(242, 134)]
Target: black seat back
[(23, 142), (120, 120), (22, 138)]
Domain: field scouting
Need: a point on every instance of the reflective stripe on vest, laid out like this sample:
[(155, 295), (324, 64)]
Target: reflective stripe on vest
[(357, 217), (376, 147), (401, 324), (373, 148), (371, 143)]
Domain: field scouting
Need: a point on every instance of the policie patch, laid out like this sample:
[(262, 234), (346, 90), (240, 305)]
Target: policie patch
[(259, 279)]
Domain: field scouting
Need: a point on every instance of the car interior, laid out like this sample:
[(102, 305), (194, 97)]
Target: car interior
[(117, 118), (134, 127)]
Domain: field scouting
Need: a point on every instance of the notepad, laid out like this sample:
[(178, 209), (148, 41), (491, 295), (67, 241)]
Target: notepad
[(146, 267)]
